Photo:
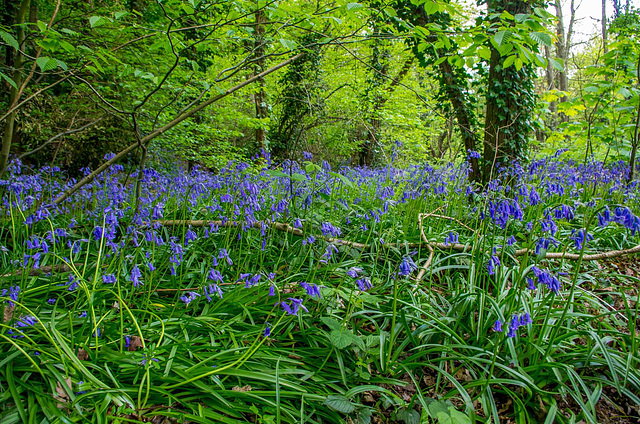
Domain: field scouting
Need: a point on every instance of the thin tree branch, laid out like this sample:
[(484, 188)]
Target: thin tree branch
[(168, 126)]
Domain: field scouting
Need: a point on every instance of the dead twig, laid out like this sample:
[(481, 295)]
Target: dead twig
[(280, 226), (46, 269)]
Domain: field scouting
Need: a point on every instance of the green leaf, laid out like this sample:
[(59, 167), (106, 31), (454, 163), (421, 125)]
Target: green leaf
[(391, 12), (340, 404), (364, 416), (409, 416), (354, 6), (557, 64), (484, 53), (436, 407), (358, 341), (444, 418), (431, 7), (509, 61), (96, 21), (311, 168), (519, 64), (342, 178), (298, 177), (458, 417), (520, 17), (9, 39), (332, 323), (270, 172), (591, 89), (11, 82), (46, 63), (289, 44), (541, 38), (61, 64), (502, 37), (341, 338)]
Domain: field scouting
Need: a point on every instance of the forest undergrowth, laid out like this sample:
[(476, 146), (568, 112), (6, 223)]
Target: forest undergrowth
[(298, 293)]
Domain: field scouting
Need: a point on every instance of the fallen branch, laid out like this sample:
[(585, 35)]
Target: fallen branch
[(46, 269), (427, 264), (280, 226)]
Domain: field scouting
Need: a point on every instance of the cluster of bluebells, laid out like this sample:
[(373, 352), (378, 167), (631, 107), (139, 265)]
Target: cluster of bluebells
[(472, 154), (621, 216), (580, 238), (407, 266), (189, 297), (363, 282), (249, 279), (547, 279), (312, 290), (494, 263), (516, 322), (250, 202), (293, 307), (22, 323), (14, 292), (452, 238)]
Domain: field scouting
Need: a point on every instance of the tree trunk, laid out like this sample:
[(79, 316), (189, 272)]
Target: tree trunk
[(509, 102), (462, 112), (636, 132), (7, 137), (260, 97), (375, 99), (562, 53), (605, 46)]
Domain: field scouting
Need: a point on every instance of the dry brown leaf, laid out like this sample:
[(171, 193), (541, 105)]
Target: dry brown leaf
[(61, 394), (8, 313), (246, 388), (135, 343), (83, 355)]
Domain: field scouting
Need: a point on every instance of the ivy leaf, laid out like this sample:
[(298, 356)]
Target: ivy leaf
[(340, 404), (9, 39)]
